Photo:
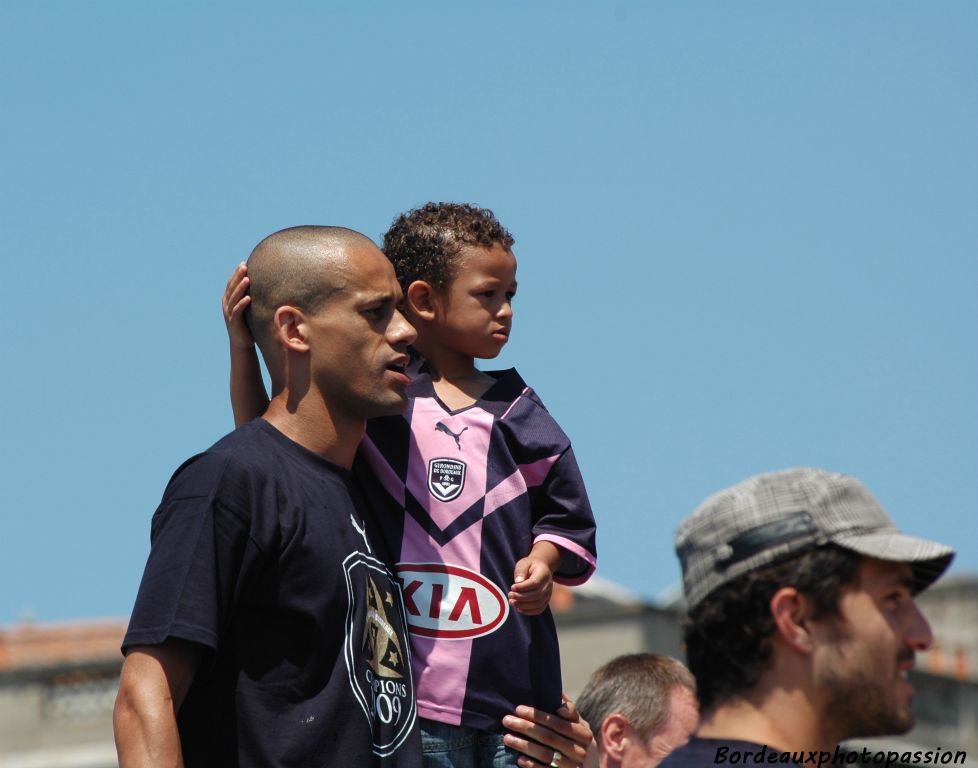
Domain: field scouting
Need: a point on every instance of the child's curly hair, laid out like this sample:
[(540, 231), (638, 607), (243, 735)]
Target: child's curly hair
[(424, 243)]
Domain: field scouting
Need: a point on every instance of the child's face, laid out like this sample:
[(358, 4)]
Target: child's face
[(475, 312)]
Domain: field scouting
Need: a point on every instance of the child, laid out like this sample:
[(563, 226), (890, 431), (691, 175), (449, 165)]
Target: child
[(480, 483)]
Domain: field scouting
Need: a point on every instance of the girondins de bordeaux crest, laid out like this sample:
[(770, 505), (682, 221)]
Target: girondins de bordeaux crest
[(446, 478)]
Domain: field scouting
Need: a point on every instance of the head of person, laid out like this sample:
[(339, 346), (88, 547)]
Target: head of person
[(641, 707), (324, 314), (800, 580), (456, 267)]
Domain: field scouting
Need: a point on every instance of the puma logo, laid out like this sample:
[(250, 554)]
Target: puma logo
[(362, 532), (440, 426)]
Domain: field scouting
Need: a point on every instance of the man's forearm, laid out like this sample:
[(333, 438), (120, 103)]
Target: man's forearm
[(146, 736)]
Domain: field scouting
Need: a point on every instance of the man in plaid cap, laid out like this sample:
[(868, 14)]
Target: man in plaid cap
[(802, 625)]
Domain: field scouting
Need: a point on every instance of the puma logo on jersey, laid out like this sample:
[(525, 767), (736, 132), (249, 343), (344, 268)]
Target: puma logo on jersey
[(362, 531), (457, 437)]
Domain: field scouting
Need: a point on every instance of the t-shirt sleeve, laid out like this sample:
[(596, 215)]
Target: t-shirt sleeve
[(562, 515), (199, 544)]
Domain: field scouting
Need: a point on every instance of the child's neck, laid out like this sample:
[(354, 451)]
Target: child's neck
[(457, 382)]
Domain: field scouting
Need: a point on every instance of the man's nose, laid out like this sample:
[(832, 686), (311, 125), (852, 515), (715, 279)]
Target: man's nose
[(918, 632), (400, 330)]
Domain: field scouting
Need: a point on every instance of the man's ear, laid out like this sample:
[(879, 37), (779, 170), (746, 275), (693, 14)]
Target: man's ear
[(614, 735), (791, 611), (421, 299), (290, 329)]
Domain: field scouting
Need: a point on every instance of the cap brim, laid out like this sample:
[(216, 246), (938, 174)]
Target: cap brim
[(927, 558)]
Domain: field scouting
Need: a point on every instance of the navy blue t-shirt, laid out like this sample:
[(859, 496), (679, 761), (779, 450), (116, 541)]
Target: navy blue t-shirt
[(260, 555)]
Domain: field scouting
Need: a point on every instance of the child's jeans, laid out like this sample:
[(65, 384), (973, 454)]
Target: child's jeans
[(456, 746)]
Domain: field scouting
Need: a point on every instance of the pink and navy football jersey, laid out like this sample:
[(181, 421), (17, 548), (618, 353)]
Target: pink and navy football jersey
[(469, 492)]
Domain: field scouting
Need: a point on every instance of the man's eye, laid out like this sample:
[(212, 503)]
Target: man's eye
[(896, 598), (510, 295)]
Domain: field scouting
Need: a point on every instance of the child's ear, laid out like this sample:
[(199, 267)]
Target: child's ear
[(420, 299)]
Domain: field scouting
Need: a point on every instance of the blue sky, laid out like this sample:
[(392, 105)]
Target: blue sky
[(747, 235)]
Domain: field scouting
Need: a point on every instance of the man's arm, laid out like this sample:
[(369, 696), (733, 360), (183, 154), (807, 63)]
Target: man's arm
[(155, 679), (248, 397)]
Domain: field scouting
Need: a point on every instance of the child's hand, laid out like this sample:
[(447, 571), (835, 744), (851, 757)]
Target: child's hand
[(533, 584), (233, 303)]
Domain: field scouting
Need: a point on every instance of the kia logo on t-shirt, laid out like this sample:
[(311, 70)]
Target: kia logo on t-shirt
[(450, 602)]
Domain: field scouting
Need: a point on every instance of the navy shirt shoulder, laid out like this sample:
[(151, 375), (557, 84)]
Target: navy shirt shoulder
[(260, 555)]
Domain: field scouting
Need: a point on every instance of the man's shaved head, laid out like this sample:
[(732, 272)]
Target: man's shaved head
[(299, 267)]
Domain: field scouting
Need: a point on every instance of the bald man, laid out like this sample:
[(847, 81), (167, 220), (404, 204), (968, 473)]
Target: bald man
[(268, 629), (641, 706)]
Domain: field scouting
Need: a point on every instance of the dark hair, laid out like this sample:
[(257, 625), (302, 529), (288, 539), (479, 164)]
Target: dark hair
[(424, 244), (728, 634), (638, 686)]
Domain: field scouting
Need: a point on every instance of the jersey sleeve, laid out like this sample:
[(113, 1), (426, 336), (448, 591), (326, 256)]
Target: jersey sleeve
[(562, 515), (198, 547)]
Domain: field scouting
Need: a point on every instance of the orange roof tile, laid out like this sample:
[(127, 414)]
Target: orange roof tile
[(41, 645)]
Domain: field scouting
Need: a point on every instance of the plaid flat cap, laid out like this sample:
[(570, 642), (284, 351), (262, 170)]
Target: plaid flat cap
[(771, 517)]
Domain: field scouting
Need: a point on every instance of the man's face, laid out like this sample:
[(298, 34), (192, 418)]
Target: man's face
[(358, 340), (684, 716), (863, 657)]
